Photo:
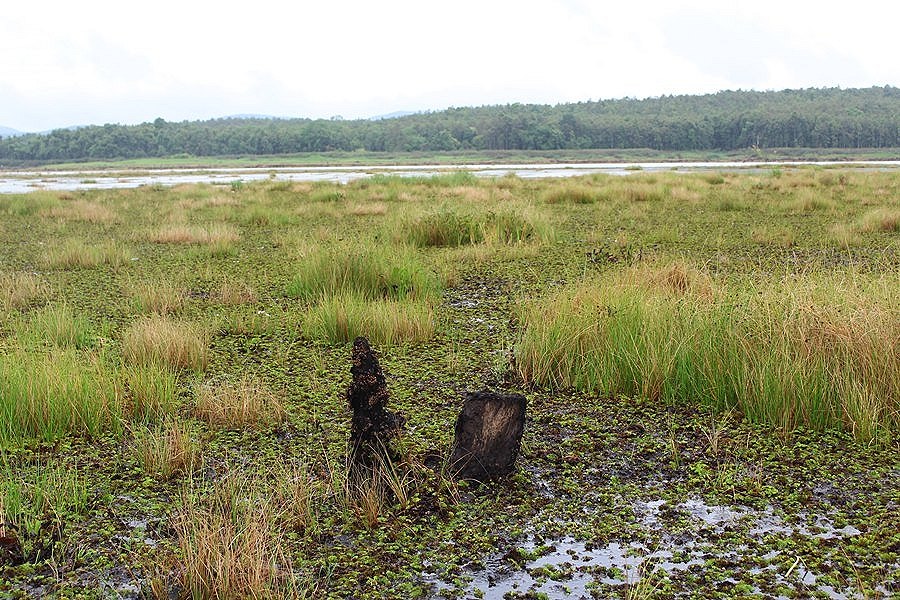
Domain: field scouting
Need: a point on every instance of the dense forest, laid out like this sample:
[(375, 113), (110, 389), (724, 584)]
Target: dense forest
[(732, 120)]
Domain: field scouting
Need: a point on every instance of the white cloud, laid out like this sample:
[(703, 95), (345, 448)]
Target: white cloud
[(95, 61)]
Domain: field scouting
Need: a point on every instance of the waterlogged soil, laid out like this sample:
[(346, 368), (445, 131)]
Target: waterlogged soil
[(613, 496)]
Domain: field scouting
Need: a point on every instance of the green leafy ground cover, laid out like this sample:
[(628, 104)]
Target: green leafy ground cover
[(183, 355)]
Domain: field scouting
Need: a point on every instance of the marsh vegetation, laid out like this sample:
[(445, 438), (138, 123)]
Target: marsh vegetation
[(173, 364)]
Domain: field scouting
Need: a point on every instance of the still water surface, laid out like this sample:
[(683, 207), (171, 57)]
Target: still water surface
[(19, 182)]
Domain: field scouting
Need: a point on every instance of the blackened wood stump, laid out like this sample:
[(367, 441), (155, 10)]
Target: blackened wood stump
[(488, 435), (373, 426)]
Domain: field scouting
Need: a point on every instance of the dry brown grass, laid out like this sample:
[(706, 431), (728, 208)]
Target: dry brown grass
[(880, 219), (75, 254), (231, 545), (367, 209), (245, 404), (845, 235), (216, 233), (159, 340), (80, 210), (232, 293), (160, 297), (18, 290)]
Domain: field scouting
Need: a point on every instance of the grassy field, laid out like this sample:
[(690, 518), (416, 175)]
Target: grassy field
[(711, 361)]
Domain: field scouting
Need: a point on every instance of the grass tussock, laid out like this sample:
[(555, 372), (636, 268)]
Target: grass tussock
[(880, 219), (160, 297), (249, 322), (161, 341), (151, 391), (233, 293), (166, 450), (75, 254), (367, 209), (19, 290), (241, 405), (373, 272), (231, 545), (55, 325), (571, 193), (450, 227), (340, 319), (794, 352), (216, 234), (80, 210), (47, 396)]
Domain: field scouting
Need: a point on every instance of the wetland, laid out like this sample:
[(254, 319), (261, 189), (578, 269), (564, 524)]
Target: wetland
[(711, 362)]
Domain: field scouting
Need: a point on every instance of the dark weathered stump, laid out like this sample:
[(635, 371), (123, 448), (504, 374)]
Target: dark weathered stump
[(488, 435), (373, 425)]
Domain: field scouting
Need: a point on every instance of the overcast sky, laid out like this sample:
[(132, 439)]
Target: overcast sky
[(85, 62)]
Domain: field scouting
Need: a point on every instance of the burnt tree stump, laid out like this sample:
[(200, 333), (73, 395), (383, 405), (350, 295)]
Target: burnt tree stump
[(373, 425), (488, 435)]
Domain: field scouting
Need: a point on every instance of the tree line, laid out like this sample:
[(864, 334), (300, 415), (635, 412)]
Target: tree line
[(730, 120)]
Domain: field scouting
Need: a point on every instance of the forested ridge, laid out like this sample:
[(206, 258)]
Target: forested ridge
[(731, 120)]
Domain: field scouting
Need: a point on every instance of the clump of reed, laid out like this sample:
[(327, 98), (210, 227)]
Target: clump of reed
[(570, 193), (74, 254), (232, 293), (46, 396), (231, 545), (880, 219), (243, 404), (18, 290), (450, 227), (215, 234), (55, 325), (166, 450), (151, 391), (369, 272), (342, 318), (160, 297), (810, 351), (162, 341), (80, 210)]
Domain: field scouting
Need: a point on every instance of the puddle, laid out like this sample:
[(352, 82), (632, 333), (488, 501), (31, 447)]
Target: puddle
[(570, 568)]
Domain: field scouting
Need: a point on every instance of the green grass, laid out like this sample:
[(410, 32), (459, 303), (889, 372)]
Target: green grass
[(458, 228), (811, 351), (342, 318), (48, 396), (55, 325), (367, 271), (151, 391), (35, 504)]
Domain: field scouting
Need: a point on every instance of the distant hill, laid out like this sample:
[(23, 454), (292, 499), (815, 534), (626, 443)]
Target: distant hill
[(725, 121), (251, 116), (393, 115), (8, 132)]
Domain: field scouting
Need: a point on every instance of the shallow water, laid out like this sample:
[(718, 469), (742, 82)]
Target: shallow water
[(569, 568), (19, 182)]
